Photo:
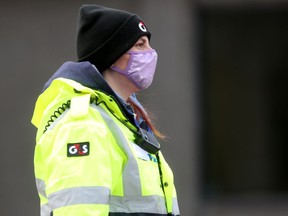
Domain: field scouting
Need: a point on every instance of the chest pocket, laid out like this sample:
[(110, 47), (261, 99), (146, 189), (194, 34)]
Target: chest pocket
[(148, 171)]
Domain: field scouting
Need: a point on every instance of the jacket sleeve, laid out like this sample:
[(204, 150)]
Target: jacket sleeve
[(73, 166)]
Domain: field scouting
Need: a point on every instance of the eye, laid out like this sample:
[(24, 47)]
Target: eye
[(140, 45)]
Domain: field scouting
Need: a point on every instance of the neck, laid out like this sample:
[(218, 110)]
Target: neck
[(119, 83)]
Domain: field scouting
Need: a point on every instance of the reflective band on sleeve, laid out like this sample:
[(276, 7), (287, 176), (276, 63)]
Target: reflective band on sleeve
[(147, 204), (79, 195), (175, 206), (41, 187), (45, 210)]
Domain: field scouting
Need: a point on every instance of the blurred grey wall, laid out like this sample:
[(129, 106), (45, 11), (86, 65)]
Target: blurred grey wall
[(38, 36), (196, 43)]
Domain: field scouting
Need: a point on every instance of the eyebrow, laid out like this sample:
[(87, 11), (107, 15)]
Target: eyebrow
[(144, 39)]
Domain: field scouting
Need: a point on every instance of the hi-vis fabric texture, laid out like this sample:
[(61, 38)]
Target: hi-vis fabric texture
[(86, 160)]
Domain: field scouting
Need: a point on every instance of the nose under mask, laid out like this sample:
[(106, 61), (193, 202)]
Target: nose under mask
[(140, 68)]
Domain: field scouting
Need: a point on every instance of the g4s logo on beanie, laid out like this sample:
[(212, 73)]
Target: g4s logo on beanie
[(142, 27)]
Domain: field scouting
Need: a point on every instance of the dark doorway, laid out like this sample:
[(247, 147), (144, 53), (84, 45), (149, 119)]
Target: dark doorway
[(245, 89)]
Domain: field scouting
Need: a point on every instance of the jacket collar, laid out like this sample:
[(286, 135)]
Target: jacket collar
[(87, 74)]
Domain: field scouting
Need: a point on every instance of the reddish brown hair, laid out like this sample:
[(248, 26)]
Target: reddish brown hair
[(140, 112)]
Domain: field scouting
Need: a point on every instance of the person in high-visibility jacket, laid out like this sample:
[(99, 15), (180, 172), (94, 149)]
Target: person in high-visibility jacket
[(96, 152)]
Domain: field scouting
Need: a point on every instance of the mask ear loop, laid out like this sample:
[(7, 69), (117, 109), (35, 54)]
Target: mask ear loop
[(125, 70)]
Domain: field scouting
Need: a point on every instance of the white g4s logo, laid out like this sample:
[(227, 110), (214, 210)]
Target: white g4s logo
[(78, 149), (142, 27)]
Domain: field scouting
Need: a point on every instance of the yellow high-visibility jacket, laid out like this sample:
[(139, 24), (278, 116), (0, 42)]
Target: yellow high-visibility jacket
[(87, 161)]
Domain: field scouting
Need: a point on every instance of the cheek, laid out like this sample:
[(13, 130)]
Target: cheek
[(122, 62)]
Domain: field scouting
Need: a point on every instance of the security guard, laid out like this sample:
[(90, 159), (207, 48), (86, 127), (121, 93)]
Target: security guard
[(96, 153)]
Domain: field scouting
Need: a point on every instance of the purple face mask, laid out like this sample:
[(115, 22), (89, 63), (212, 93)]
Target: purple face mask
[(141, 68)]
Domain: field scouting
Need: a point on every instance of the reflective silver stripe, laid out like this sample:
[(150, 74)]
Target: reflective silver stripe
[(133, 200), (45, 210), (73, 196), (41, 187), (147, 204), (79, 195), (131, 177), (175, 206)]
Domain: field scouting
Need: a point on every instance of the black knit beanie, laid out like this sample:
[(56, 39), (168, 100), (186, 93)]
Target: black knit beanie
[(105, 34)]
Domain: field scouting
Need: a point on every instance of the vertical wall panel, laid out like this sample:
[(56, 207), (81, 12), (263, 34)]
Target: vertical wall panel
[(38, 36)]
